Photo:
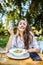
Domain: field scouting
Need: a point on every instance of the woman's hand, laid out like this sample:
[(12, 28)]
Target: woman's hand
[(10, 30), (33, 50)]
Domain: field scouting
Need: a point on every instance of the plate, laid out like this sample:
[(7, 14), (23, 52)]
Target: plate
[(17, 51), (24, 56)]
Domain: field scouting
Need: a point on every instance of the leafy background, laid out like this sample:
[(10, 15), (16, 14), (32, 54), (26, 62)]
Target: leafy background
[(13, 10)]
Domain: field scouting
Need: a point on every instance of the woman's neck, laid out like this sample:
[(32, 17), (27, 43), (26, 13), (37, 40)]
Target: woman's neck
[(21, 34)]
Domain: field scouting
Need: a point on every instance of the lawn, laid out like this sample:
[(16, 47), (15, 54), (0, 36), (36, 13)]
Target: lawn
[(3, 41)]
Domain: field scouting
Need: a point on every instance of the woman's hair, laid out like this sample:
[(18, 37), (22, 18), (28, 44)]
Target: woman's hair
[(26, 35)]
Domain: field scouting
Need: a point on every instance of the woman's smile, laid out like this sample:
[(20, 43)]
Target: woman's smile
[(22, 27)]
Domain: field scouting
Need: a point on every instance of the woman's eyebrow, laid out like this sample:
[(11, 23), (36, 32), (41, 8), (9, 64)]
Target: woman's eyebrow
[(20, 22)]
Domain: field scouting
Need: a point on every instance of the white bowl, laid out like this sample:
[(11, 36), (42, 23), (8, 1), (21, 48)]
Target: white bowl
[(16, 53)]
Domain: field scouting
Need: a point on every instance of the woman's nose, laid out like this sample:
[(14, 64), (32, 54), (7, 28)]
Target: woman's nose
[(22, 24)]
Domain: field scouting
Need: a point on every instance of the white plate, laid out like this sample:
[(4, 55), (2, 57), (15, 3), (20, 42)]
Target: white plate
[(17, 54), (26, 55)]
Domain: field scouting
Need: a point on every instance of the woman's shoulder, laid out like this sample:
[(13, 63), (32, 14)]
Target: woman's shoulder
[(14, 36)]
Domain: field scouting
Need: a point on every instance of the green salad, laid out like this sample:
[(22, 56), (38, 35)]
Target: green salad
[(18, 51)]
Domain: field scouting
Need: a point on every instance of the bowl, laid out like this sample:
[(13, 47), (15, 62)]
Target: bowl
[(18, 52)]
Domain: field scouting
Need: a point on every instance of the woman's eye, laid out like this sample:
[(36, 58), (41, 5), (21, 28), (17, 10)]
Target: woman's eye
[(20, 23), (24, 24)]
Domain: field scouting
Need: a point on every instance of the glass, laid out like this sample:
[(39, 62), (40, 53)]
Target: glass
[(2, 54)]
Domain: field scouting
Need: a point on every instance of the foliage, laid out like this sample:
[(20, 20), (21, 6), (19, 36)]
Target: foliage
[(3, 41), (32, 10), (39, 39)]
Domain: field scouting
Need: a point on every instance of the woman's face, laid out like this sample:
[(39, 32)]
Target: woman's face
[(22, 25)]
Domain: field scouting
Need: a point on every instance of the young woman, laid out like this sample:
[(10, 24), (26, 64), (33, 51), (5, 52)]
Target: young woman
[(24, 38)]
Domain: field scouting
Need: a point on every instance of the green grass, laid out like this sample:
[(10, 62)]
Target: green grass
[(3, 41)]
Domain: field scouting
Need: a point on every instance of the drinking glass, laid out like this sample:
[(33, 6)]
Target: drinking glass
[(2, 54)]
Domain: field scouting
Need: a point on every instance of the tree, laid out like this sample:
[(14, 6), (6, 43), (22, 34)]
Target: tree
[(32, 10)]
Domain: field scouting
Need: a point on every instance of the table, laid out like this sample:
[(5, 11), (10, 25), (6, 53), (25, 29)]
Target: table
[(27, 61)]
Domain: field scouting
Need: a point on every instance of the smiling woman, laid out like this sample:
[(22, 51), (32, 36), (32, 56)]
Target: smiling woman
[(24, 38)]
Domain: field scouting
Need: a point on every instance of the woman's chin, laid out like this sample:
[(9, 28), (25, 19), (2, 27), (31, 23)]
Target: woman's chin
[(21, 30)]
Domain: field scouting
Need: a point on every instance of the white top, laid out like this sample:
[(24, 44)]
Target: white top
[(20, 43)]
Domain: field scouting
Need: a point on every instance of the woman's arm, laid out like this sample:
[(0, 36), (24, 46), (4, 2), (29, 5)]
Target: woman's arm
[(34, 43), (10, 30), (8, 46), (33, 50)]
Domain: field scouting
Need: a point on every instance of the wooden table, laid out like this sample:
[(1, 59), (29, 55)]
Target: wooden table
[(28, 61)]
